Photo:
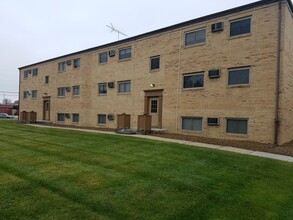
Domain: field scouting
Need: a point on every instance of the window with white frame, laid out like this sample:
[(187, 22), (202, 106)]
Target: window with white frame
[(101, 119), (125, 53), (195, 37), (237, 126), (61, 92), (124, 87), (238, 76), (193, 80), (35, 72), (76, 90), (34, 94), (62, 66), (240, 26), (103, 57), (192, 123), (102, 88), (75, 118), (76, 63)]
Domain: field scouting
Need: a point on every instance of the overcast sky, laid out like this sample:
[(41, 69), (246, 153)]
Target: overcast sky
[(36, 30)]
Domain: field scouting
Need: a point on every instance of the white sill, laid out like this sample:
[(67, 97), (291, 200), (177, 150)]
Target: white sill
[(75, 96), (154, 70), (124, 93), (61, 97), (193, 89), (77, 68), (122, 60), (194, 45), (101, 124), (102, 94), (239, 36), (239, 86)]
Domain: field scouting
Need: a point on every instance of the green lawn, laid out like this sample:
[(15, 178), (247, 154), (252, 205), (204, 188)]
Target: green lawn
[(56, 174)]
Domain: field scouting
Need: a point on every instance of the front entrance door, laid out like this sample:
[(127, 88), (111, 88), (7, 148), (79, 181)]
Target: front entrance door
[(46, 107), (154, 111)]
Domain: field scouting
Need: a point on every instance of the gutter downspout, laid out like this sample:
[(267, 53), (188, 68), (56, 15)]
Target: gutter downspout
[(278, 73)]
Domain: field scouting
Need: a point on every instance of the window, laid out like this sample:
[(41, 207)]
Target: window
[(101, 119), (102, 88), (60, 117), (76, 63), (46, 79), (237, 126), (76, 90), (195, 37), (124, 87), (35, 72), (26, 73), (25, 94), (75, 118), (61, 66), (155, 63), (125, 53), (239, 27), (61, 92), (191, 123), (103, 57), (34, 94), (154, 106), (238, 76), (193, 80)]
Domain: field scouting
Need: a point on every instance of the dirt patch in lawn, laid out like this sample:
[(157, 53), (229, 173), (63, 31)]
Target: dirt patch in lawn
[(286, 149)]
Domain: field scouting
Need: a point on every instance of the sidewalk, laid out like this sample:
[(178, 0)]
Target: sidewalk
[(196, 144)]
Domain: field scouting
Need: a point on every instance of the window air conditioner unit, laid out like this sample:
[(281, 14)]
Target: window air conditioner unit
[(214, 73), (213, 121), (110, 84), (68, 62), (112, 53), (68, 89), (217, 27), (110, 117), (67, 115)]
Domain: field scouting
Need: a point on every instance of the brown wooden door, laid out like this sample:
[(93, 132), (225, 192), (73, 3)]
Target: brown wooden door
[(154, 111), (46, 110)]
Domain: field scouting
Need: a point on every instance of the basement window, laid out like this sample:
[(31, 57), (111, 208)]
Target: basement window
[(101, 119), (75, 118), (60, 117), (192, 123), (237, 126)]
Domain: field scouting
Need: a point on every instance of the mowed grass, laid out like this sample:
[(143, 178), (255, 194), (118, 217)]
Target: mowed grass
[(58, 174)]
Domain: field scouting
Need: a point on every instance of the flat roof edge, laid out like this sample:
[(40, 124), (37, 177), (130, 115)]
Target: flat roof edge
[(175, 26)]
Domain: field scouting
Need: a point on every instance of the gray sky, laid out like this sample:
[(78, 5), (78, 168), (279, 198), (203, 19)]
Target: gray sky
[(36, 30)]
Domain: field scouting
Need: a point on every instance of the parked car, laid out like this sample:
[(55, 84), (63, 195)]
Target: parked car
[(4, 115)]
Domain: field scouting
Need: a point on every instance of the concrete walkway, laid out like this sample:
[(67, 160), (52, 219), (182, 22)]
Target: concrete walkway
[(196, 144)]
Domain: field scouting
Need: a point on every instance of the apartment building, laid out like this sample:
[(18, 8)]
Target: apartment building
[(227, 75)]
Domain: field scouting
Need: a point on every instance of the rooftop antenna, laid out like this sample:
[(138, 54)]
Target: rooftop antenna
[(116, 30)]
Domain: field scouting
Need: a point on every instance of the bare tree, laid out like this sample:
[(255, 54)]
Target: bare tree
[(6, 101)]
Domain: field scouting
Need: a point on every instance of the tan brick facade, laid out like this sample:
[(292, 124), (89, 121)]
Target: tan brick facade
[(254, 101)]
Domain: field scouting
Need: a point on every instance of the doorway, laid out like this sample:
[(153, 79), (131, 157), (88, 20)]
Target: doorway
[(46, 110), (153, 106)]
